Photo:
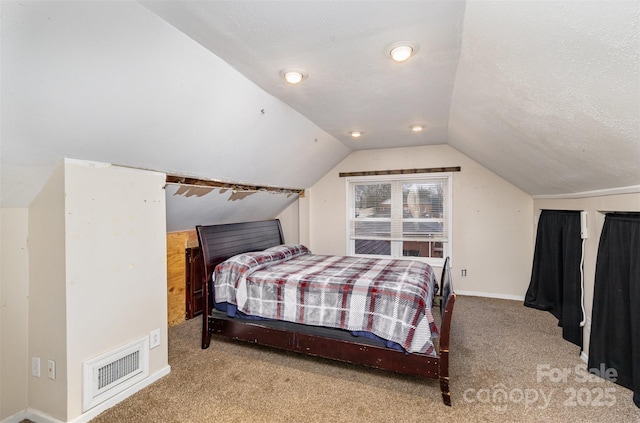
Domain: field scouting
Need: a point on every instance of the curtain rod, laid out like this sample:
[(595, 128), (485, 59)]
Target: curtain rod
[(183, 180), (401, 171)]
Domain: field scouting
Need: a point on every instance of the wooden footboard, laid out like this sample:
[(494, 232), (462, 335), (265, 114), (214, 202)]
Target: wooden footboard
[(219, 242), (447, 301)]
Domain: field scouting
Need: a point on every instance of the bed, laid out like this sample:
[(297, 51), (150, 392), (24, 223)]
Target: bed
[(254, 257)]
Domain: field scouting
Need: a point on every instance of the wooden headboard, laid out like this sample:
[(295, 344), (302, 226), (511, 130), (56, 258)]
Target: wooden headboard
[(220, 242)]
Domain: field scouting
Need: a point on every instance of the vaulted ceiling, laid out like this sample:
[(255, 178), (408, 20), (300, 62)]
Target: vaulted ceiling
[(545, 94), (542, 93)]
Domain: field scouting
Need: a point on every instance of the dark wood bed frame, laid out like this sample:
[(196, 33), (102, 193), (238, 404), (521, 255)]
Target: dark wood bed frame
[(220, 242)]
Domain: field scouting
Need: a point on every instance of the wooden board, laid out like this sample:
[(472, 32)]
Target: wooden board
[(176, 286)]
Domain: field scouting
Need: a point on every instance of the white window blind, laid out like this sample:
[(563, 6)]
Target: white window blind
[(400, 216)]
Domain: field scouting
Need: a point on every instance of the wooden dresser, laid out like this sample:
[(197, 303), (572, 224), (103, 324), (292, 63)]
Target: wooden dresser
[(194, 279)]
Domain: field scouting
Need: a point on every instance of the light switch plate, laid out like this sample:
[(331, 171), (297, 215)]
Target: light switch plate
[(154, 338), (51, 369), (35, 366)]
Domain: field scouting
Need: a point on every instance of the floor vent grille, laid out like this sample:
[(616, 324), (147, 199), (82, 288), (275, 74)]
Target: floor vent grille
[(115, 371)]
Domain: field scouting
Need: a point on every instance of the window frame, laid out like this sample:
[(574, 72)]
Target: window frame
[(396, 246)]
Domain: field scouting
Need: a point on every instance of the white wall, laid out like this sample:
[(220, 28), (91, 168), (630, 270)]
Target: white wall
[(116, 281), (47, 296), (14, 292), (595, 207), (492, 233), (290, 222), (92, 279)]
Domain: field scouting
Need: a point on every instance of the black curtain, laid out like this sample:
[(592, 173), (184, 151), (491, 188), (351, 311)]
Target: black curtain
[(555, 278), (615, 327)]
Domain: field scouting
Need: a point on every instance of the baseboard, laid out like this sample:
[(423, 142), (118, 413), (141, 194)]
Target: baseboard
[(16, 418), (491, 295), (40, 417), (33, 415), (19, 416)]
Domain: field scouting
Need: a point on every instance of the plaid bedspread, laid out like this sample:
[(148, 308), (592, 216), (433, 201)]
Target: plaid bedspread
[(387, 297)]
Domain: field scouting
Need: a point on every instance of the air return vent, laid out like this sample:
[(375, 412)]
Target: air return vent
[(115, 371)]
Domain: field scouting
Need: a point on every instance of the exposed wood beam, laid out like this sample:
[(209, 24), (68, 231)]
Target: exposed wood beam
[(184, 180)]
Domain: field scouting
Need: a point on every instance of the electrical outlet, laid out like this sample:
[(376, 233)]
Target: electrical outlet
[(51, 369), (154, 338), (35, 366), (463, 272)]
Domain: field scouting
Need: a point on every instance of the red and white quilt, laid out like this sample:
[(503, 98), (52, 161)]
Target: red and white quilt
[(388, 297)]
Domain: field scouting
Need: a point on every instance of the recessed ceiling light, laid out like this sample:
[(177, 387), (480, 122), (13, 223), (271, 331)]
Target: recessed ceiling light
[(416, 128), (402, 50), (293, 76), (401, 53), (356, 134)]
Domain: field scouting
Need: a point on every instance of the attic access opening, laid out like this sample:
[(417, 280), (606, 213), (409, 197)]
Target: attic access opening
[(193, 201)]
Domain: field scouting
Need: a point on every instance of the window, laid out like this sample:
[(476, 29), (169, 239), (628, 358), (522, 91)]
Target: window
[(400, 216)]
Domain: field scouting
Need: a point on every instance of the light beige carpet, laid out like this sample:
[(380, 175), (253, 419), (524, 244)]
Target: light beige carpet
[(508, 364)]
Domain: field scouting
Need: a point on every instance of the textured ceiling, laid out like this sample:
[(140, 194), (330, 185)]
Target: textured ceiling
[(112, 82), (352, 83), (545, 94)]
